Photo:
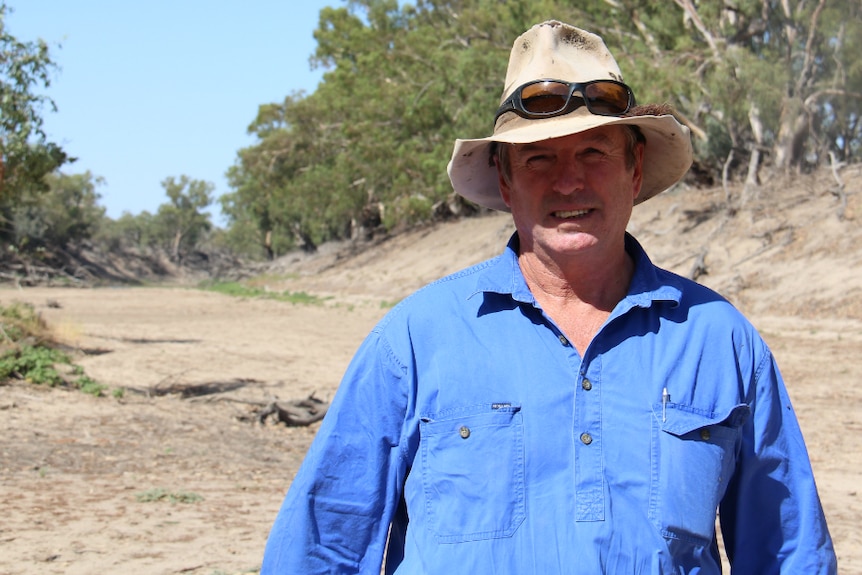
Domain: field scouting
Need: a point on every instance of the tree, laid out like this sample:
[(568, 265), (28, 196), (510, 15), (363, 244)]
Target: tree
[(183, 217), (26, 155), (367, 148), (129, 231), (775, 80), (759, 82), (66, 213)]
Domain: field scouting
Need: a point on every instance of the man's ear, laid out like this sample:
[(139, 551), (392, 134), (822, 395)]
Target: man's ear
[(638, 172)]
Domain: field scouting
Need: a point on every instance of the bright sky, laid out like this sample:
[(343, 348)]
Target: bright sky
[(159, 88)]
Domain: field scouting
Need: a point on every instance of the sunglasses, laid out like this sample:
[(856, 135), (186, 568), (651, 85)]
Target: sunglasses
[(548, 98)]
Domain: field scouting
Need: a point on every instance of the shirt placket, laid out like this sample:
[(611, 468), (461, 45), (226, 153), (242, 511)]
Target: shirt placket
[(588, 444), (587, 435)]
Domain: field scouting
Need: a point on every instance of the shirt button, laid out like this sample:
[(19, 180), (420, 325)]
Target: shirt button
[(586, 438), (587, 384), (564, 341), (704, 434), (464, 432)]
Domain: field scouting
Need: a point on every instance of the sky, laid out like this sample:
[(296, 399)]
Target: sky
[(147, 90)]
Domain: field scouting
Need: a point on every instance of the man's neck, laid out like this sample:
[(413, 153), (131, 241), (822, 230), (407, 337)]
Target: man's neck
[(597, 280), (579, 295)]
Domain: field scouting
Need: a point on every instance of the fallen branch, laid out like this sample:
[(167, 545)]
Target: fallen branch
[(295, 413), (186, 390)]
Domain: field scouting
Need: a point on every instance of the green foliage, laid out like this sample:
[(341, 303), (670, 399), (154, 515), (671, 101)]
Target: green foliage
[(756, 74), (67, 212), (27, 351), (26, 155), (130, 231), (91, 386), (183, 218), (378, 131), (159, 494), (367, 149), (33, 364), (179, 226), (20, 322), (403, 81), (237, 289)]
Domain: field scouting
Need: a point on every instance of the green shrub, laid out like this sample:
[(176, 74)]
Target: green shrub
[(19, 321), (89, 385), (27, 351), (33, 364)]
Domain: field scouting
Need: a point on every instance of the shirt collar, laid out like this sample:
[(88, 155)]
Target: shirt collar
[(649, 283)]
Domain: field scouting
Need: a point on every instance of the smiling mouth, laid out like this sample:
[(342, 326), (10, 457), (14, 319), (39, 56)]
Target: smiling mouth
[(571, 214)]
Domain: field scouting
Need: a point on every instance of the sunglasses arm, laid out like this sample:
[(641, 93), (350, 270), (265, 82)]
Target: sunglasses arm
[(507, 106)]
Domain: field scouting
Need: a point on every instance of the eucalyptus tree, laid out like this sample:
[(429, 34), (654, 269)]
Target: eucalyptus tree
[(774, 81), (756, 81), (372, 142), (26, 155), (183, 218), (66, 213)]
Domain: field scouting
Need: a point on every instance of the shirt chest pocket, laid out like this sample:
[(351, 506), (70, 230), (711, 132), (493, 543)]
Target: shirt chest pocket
[(473, 472), (694, 456)]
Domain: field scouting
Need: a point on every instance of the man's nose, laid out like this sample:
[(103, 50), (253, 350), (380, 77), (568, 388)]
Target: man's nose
[(569, 177)]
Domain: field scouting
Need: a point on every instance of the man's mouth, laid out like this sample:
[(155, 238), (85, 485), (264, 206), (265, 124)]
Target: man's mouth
[(570, 214)]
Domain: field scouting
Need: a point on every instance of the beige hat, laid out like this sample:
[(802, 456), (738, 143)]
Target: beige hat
[(553, 50)]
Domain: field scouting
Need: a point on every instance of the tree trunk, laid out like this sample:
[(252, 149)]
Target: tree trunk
[(267, 245), (792, 134), (175, 245), (751, 179)]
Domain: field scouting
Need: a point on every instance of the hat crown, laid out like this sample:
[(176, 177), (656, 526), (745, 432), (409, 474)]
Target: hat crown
[(554, 50)]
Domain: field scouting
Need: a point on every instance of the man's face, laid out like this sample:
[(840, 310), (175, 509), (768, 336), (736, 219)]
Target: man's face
[(574, 194)]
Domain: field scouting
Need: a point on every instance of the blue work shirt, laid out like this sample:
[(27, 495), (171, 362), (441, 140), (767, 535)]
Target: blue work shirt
[(470, 435)]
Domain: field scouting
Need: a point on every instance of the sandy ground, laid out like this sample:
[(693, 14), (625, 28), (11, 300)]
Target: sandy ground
[(76, 472)]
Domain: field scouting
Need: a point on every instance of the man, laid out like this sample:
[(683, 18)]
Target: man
[(566, 407)]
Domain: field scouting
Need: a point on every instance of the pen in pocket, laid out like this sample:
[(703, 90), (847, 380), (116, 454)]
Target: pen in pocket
[(665, 398)]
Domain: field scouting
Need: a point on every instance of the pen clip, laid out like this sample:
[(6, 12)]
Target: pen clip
[(665, 399)]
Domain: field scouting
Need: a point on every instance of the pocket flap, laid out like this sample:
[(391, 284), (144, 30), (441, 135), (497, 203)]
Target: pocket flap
[(680, 420)]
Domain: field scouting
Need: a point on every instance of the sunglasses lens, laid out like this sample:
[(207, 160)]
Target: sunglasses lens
[(607, 98), (544, 97), (547, 98)]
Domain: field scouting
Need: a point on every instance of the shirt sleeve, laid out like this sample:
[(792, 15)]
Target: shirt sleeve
[(336, 515), (771, 517)]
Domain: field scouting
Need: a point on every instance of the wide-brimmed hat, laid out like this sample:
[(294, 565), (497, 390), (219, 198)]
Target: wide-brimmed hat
[(554, 50)]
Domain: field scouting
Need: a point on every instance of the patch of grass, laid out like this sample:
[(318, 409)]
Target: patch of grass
[(235, 289), (89, 385), (28, 352), (20, 323), (158, 494), (238, 289), (302, 297), (269, 278)]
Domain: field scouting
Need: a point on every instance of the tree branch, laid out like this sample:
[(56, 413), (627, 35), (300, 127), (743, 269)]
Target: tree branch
[(809, 59), (691, 11)]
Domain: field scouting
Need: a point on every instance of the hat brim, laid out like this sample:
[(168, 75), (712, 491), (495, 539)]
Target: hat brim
[(667, 154)]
